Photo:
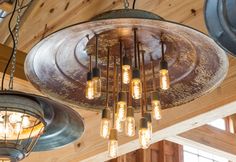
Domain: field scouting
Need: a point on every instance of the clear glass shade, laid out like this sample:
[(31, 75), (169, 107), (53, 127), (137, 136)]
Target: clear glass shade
[(17, 125)]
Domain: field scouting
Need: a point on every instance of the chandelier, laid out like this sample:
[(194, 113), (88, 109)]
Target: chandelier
[(30, 122), (123, 62)]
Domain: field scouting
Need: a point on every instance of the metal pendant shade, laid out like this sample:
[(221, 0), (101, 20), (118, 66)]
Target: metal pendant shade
[(221, 23), (57, 65), (61, 125)]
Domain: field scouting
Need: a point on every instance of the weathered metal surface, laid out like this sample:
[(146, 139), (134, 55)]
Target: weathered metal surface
[(63, 125), (221, 23), (57, 65)]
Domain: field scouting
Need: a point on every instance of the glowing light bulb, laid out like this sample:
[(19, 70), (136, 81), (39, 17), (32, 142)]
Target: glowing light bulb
[(25, 122), (136, 88), (113, 144), (15, 117), (156, 109), (143, 134), (6, 130), (130, 126), (126, 74), (143, 140), (17, 128), (164, 79), (97, 84), (149, 133), (121, 110), (119, 125), (89, 90), (105, 123)]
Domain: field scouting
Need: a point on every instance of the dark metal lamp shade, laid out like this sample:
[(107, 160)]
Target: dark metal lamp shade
[(221, 23)]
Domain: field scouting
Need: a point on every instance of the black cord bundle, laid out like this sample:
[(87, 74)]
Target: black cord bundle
[(14, 44)]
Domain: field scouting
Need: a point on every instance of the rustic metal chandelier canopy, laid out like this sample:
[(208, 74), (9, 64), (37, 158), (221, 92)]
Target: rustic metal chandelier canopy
[(30, 122), (149, 63)]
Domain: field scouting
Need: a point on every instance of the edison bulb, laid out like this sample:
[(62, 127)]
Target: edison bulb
[(164, 79), (105, 127), (6, 130), (15, 117), (143, 140), (149, 132), (97, 86), (130, 126), (89, 90), (136, 88), (18, 128), (126, 74), (113, 148), (119, 125), (156, 109), (113, 144), (121, 110), (25, 122)]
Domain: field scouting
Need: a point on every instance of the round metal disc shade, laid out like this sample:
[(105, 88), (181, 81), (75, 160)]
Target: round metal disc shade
[(221, 23), (63, 125), (58, 64)]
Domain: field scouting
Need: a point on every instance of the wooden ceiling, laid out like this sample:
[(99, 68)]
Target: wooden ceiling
[(46, 16)]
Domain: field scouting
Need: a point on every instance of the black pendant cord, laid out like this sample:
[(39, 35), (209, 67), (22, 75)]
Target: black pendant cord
[(121, 78), (90, 63), (135, 47), (134, 2), (139, 60), (114, 91), (96, 56), (13, 47), (153, 73), (144, 80), (162, 51), (107, 84)]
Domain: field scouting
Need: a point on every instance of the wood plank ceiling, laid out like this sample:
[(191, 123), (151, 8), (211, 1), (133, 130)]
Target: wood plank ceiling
[(46, 16)]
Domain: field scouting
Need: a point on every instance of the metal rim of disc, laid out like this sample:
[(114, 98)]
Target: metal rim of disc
[(37, 82), (64, 125)]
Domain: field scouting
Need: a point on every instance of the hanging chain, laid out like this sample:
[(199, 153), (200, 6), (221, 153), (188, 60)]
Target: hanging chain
[(126, 4), (17, 27)]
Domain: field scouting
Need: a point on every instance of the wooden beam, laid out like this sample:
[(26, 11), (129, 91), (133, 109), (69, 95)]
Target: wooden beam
[(5, 6), (210, 139), (5, 53), (48, 16)]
